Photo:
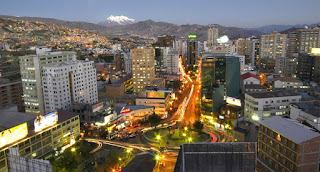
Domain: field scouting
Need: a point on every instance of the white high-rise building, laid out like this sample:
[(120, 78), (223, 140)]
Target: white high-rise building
[(68, 82), (31, 75), (171, 61)]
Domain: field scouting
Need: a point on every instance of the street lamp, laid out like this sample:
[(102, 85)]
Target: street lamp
[(185, 128), (73, 149), (189, 139)]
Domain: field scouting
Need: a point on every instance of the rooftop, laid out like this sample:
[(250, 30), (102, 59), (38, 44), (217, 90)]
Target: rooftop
[(312, 108), (255, 86), (271, 94), (134, 107), (287, 79), (249, 75), (157, 81), (10, 117), (290, 129)]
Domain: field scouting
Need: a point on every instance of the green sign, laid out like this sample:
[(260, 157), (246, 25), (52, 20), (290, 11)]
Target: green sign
[(192, 36)]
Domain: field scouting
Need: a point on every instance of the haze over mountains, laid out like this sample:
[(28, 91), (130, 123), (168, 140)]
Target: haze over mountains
[(122, 26)]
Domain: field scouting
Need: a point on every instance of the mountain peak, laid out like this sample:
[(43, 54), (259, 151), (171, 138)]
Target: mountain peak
[(117, 20)]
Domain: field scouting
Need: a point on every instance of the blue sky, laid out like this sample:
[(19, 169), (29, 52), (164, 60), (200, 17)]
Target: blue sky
[(240, 13)]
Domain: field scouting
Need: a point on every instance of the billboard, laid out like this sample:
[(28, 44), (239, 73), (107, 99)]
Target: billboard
[(315, 51), (42, 122), (233, 101), (192, 36), (97, 107), (13, 134)]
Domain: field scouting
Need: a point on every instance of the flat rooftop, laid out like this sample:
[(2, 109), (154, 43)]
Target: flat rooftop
[(134, 107), (311, 108), (290, 129), (10, 117), (271, 94)]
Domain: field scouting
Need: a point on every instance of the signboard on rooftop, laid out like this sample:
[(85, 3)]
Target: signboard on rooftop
[(192, 36), (315, 51), (13, 134), (42, 122), (233, 101)]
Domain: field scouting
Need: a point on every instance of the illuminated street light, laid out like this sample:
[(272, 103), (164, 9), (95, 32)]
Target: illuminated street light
[(157, 157), (184, 134), (158, 137), (73, 149), (120, 159), (129, 150), (185, 128), (190, 139)]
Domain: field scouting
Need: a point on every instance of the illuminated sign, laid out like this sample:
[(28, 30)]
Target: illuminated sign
[(42, 122), (125, 110), (97, 107), (192, 36), (13, 134), (233, 101), (315, 51)]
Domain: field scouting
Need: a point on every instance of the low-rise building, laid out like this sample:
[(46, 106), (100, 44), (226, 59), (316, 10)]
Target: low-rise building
[(249, 78), (158, 82), (261, 105), (134, 114), (244, 131), (286, 82), (306, 112), (160, 98), (286, 145), (38, 137)]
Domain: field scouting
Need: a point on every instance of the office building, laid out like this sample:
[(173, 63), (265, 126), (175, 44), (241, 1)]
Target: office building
[(31, 76), (220, 77), (35, 138), (288, 146), (262, 105), (159, 98), (143, 69), (69, 82), (212, 36), (308, 67), (11, 93), (273, 45), (206, 157), (171, 61), (192, 52)]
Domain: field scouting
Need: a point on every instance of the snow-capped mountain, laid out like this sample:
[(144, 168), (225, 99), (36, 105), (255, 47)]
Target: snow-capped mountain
[(117, 20)]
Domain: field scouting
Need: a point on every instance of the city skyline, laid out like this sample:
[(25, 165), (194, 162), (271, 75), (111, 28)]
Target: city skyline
[(248, 14)]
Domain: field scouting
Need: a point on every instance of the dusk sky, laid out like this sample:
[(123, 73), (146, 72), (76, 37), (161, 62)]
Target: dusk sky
[(243, 13)]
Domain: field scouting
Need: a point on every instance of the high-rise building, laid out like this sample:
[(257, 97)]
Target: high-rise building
[(273, 45), (67, 83), (220, 77), (308, 39), (254, 52), (10, 92), (286, 66), (308, 67), (192, 51), (242, 46), (166, 41), (31, 75), (287, 145), (212, 36), (171, 61), (143, 70)]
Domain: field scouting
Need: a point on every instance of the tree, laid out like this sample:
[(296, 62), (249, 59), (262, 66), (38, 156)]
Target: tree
[(198, 126), (68, 160), (154, 120), (176, 84)]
